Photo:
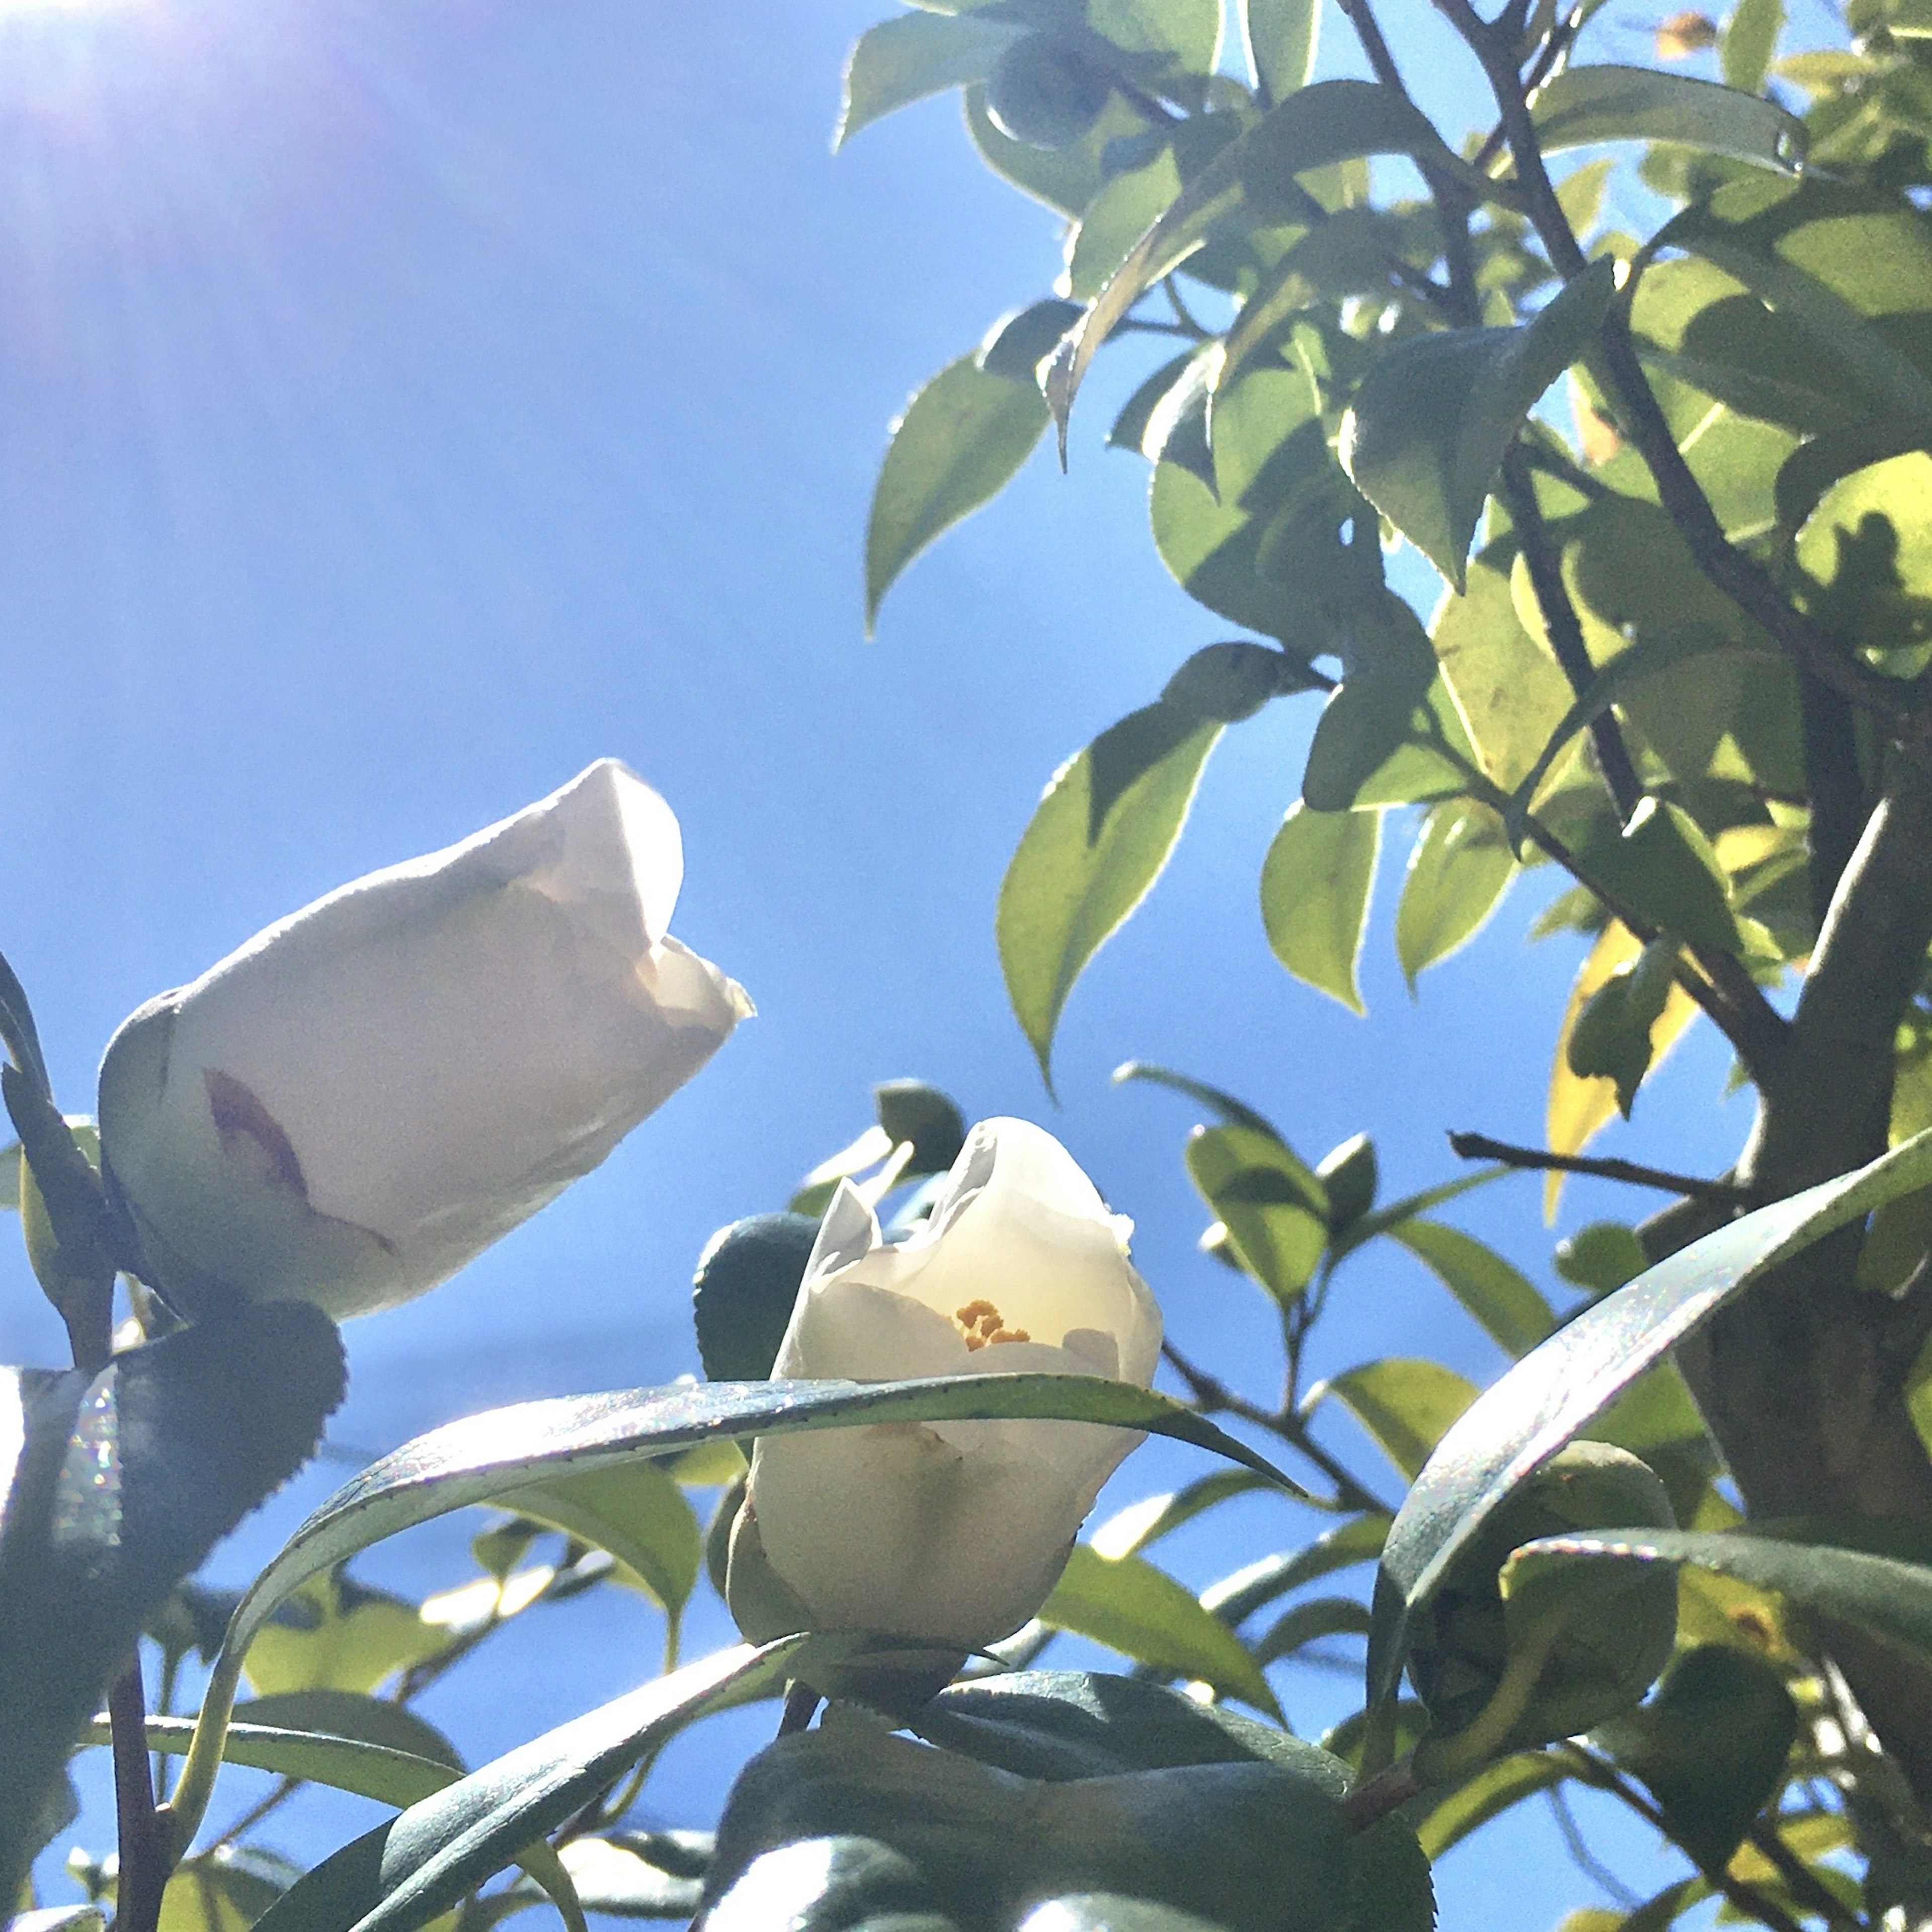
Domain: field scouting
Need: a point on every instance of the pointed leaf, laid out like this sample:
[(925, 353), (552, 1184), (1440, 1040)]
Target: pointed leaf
[(1098, 840), (1131, 1606), (1437, 412), (1553, 1392), (1584, 105), (1316, 881), (961, 441)]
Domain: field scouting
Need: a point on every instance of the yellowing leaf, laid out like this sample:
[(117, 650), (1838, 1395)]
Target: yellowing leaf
[(1579, 1107)]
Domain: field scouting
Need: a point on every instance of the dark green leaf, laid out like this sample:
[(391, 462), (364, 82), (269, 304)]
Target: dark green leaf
[(1406, 1404), (961, 440), (1584, 105), (1554, 1392), (906, 59), (1437, 412), (1279, 37), (1131, 1606), (119, 1486), (1711, 1745), (407, 1872), (1097, 842), (1509, 1306), (1274, 1208), (742, 1295), (1315, 886), (1460, 868)]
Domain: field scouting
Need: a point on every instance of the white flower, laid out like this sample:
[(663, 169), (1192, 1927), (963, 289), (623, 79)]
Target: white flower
[(369, 1093), (954, 1531)]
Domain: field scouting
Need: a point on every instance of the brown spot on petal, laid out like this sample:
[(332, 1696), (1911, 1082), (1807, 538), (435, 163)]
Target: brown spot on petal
[(250, 1132)]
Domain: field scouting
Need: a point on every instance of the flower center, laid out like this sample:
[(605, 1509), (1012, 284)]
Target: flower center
[(982, 1324)]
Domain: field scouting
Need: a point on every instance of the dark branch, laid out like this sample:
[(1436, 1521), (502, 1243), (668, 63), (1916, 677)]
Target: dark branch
[(1480, 1146)]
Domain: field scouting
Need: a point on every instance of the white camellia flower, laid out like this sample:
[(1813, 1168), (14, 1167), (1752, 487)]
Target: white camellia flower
[(954, 1532), (369, 1093)]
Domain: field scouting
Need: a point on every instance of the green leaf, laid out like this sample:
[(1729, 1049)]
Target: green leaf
[(1711, 1745), (336, 1634), (1458, 872), (961, 441), (1750, 43), (1131, 1606), (1554, 1392), (1236, 1598), (1584, 105), (1234, 1113), (1490, 1792), (1510, 1309), (1129, 1531), (639, 1514), (747, 1279), (485, 1457), (1437, 412), (1406, 1403), (904, 59), (1373, 713), (1279, 38), (344, 1762), (1331, 121), (405, 1873), (195, 1431), (1097, 842), (1852, 268), (1062, 1725), (1507, 687), (1316, 885), (1275, 1209)]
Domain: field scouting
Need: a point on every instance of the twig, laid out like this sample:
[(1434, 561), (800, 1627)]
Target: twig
[(1586, 1860), (1480, 1146), (1565, 630), (1213, 1394), (801, 1706), (144, 1863)]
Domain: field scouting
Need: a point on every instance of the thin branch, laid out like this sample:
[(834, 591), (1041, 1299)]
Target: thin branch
[(144, 1860), (1213, 1395), (1480, 1146), (1565, 630)]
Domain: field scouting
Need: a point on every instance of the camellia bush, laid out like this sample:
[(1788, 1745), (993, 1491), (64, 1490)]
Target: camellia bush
[(1679, 1555)]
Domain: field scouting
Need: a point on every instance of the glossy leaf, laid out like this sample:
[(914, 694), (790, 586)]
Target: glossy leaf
[(1437, 412), (1554, 1392), (1510, 1309), (913, 55), (118, 1486), (1331, 121), (960, 441), (406, 1872), (1406, 1403), (1128, 1605), (1098, 840), (1584, 105), (488, 1456), (1458, 872), (1316, 882), (1279, 38), (1273, 1205)]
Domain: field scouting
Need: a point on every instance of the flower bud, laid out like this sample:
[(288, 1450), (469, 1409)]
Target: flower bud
[(953, 1532), (368, 1093), (1612, 1634)]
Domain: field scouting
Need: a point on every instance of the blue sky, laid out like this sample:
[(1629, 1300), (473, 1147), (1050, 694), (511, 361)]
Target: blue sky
[(402, 404)]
